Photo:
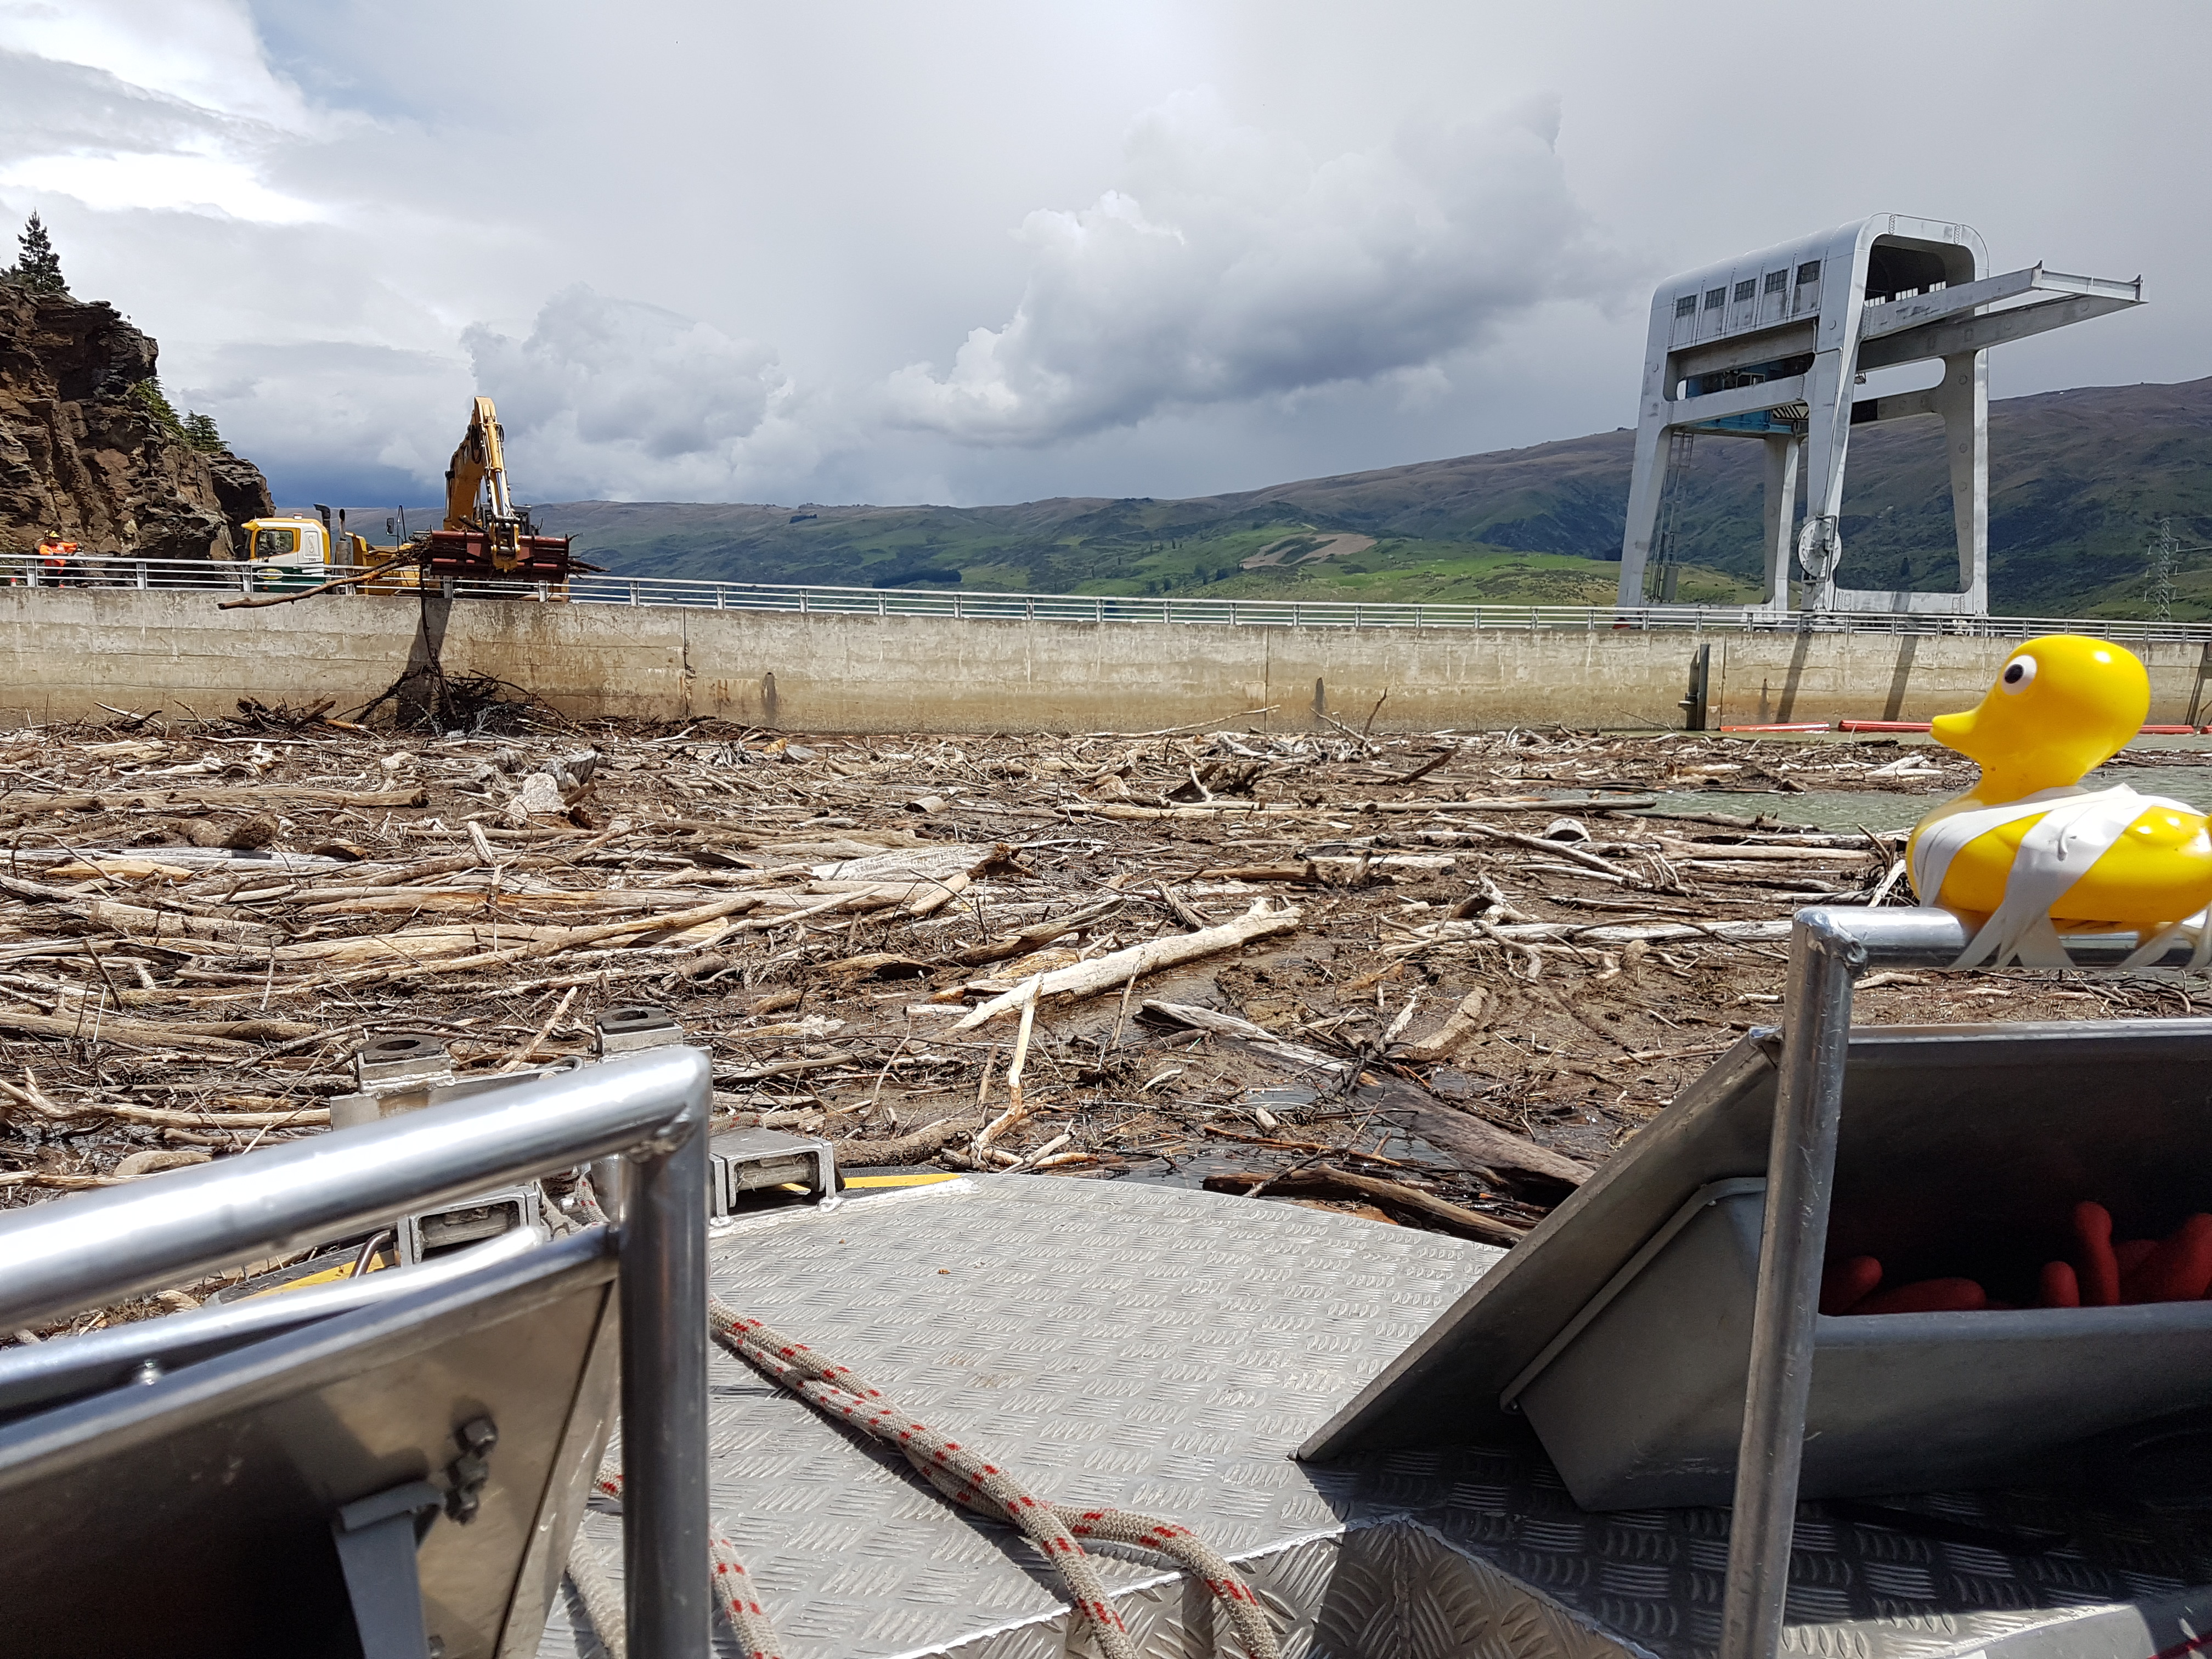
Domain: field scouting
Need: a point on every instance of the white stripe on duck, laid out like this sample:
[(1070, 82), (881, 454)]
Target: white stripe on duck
[(2028, 853)]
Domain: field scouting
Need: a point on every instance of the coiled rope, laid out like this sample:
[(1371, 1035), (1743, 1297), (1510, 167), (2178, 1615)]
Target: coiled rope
[(960, 1473)]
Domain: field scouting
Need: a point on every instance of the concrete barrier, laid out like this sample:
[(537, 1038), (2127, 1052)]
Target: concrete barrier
[(65, 652)]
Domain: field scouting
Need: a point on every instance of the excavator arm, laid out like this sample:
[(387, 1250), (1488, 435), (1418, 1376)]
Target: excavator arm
[(464, 475), (484, 534), (476, 486)]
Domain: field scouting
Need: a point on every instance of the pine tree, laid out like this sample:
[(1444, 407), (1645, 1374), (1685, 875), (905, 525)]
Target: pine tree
[(150, 398), (200, 434), (40, 270)]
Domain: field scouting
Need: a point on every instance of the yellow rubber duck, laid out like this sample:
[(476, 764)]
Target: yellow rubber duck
[(2062, 706)]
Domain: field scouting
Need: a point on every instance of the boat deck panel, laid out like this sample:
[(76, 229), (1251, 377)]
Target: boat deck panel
[(1163, 1350)]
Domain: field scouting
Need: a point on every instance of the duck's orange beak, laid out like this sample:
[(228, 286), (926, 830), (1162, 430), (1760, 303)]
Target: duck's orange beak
[(1955, 731)]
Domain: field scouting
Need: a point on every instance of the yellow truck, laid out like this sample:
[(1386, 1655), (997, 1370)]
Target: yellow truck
[(288, 554)]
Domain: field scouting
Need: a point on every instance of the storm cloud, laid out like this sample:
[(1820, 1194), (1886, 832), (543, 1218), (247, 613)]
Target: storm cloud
[(1227, 265), (618, 398), (990, 251)]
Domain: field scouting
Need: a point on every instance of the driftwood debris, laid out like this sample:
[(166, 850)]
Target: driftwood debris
[(331, 587), (1472, 997), (1481, 1142), (1460, 1027), (1256, 1037), (1125, 966), (914, 1148), (1326, 1181)]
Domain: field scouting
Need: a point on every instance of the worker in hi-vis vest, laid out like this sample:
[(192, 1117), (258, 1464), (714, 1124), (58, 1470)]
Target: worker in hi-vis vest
[(53, 558)]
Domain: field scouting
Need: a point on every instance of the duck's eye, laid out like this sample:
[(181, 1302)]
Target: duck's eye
[(2018, 674)]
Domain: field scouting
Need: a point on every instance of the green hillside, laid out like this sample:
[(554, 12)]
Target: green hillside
[(2077, 482)]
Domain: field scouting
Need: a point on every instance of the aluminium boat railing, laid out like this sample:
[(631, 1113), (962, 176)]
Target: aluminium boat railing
[(1829, 949), (264, 579), (95, 1248)]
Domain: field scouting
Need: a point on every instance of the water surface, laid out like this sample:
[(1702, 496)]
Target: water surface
[(1881, 810)]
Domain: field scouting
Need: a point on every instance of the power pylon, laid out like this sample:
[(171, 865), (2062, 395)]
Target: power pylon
[(2165, 556)]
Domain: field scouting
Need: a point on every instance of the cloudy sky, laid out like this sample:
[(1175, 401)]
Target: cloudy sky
[(719, 250)]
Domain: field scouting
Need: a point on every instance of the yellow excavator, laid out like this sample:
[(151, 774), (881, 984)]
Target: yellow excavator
[(485, 537)]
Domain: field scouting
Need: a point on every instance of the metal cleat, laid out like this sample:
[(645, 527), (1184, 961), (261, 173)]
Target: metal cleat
[(742, 1161), (395, 1073), (640, 1025)]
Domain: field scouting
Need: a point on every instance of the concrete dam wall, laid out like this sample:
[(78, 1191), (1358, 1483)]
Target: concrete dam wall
[(64, 651)]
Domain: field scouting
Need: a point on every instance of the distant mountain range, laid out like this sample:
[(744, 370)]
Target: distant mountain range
[(2078, 481)]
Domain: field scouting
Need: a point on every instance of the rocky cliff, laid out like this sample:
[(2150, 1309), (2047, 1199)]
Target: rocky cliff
[(85, 450)]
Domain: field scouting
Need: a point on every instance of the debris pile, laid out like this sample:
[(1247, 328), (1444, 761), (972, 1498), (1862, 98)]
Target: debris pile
[(1435, 979)]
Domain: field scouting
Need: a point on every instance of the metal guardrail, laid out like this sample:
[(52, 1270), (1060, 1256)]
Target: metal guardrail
[(1829, 949), (809, 600), (92, 1249)]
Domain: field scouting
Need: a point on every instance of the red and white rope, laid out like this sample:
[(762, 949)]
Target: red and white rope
[(734, 1588), (968, 1478)]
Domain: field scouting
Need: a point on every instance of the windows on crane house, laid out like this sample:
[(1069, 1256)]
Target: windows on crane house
[(1748, 302), (1895, 270)]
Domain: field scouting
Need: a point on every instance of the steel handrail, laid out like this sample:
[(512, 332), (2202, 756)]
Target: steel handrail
[(100, 1358), (1829, 949), (92, 1249), (967, 604)]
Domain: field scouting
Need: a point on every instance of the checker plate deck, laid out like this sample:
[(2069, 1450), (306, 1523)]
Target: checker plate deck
[(1163, 1351)]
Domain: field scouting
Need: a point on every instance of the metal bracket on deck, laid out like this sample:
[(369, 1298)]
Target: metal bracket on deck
[(640, 1025), (403, 1072), (757, 1160), (738, 1161), (376, 1537)]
